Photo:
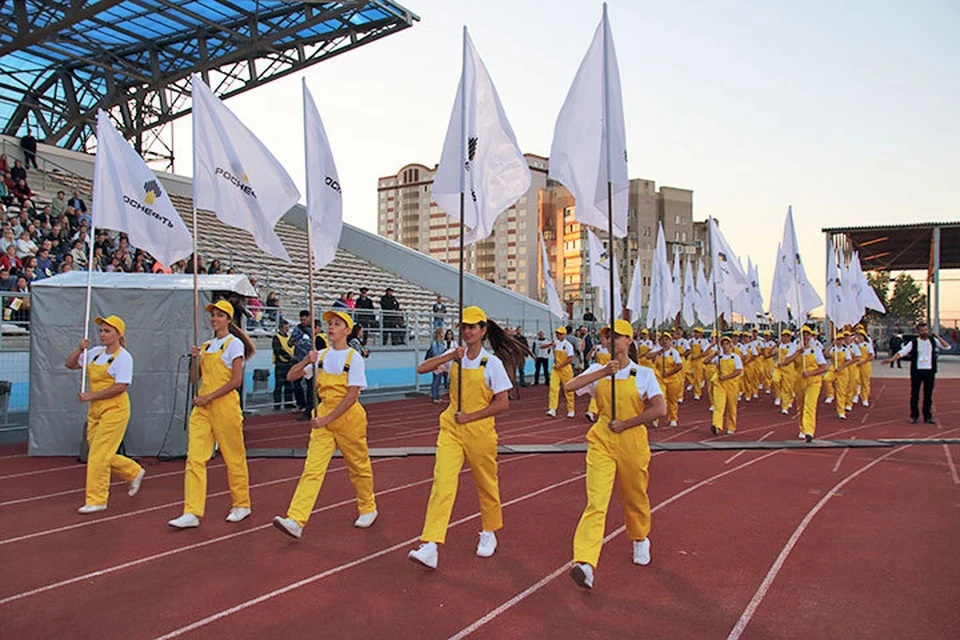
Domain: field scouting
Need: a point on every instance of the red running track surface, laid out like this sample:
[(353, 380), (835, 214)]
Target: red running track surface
[(851, 543)]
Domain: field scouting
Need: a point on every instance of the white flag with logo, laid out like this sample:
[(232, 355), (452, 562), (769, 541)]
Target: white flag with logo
[(778, 297), (836, 304), (689, 295), (128, 197), (481, 158), (235, 175), (703, 302), (727, 271), (553, 300), (800, 294), (324, 200), (600, 276), (635, 297), (663, 305), (589, 140)]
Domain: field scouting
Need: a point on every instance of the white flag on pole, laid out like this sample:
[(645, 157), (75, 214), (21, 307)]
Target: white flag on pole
[(635, 296), (853, 310), (836, 304), (600, 275), (778, 296), (324, 200), (703, 300), (235, 175), (727, 271), (676, 293), (868, 296), (589, 140), (480, 158), (800, 294), (689, 295), (663, 305), (128, 197), (553, 300)]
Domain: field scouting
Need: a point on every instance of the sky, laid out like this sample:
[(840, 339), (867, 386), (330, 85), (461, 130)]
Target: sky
[(848, 111)]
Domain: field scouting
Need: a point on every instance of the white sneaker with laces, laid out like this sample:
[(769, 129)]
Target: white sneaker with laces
[(842, 416), (289, 526), (673, 423), (91, 508), (866, 403), (552, 413), (591, 417), (570, 414), (426, 555), (828, 401), (582, 574), (689, 387), (238, 513), (784, 412), (135, 483), (364, 520), (186, 521), (679, 400), (487, 544), (776, 402), (641, 552), (856, 399)]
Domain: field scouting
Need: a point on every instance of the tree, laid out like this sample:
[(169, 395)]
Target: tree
[(906, 305)]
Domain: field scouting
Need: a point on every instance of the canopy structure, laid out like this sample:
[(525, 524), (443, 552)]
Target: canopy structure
[(63, 59), (929, 246)]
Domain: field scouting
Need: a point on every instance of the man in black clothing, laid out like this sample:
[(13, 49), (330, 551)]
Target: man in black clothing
[(588, 316), (300, 339), (282, 360), (29, 145), (392, 319), (896, 342), (79, 206), (922, 351), (366, 318)]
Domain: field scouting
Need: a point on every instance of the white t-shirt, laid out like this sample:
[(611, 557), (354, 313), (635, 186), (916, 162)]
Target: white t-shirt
[(230, 353), (647, 385), (543, 351), (671, 353), (737, 362), (791, 348), (333, 361), (816, 352), (683, 344), (924, 353), (566, 347), (121, 369), (494, 373)]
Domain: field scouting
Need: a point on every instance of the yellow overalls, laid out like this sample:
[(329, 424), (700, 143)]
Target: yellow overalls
[(856, 354), (808, 393), (106, 425), (838, 382), (643, 350), (787, 385), (603, 357), (561, 376), (709, 374), (477, 442), (672, 386), (866, 370), (348, 433), (220, 420), (624, 457), (696, 366), (725, 394)]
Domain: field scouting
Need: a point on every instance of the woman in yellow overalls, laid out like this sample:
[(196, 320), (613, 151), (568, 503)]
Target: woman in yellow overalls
[(837, 379), (726, 389), (868, 355), (562, 372), (812, 367), (217, 416), (710, 355), (643, 348), (698, 347), (601, 353), (669, 368), (339, 422), (617, 450), (468, 431), (110, 368), (786, 372)]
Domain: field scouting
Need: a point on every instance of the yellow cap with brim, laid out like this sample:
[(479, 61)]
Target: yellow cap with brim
[(726, 337), (698, 329), (809, 330), (113, 321), (562, 330), (862, 331), (223, 305), (645, 332), (767, 333), (735, 333), (620, 327), (473, 315), (330, 313), (787, 332)]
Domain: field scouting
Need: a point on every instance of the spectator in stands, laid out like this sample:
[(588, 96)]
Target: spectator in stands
[(45, 263), (351, 303), (6, 198), (340, 302), (20, 306), (114, 266), (97, 260), (213, 267), (282, 361), (256, 290), (28, 271), (77, 203), (272, 310), (355, 341), (29, 145), (300, 339), (392, 318), (6, 281), (58, 206), (4, 163), (69, 262), (365, 315), (10, 261), (80, 255), (439, 313), (21, 191), (83, 233), (18, 172), (255, 313), (25, 245), (8, 238)]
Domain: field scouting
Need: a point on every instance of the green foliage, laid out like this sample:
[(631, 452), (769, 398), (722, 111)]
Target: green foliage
[(880, 281), (906, 304)]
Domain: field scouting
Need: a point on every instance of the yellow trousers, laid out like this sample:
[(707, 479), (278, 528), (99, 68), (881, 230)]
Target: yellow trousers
[(709, 376), (105, 430), (592, 407), (866, 370), (623, 457), (725, 404), (560, 377), (786, 388), (673, 391), (697, 369), (220, 420), (808, 398), (349, 434), (478, 444)]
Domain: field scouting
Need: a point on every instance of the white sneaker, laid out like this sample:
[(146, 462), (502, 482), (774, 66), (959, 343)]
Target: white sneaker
[(856, 399), (552, 413), (866, 403), (591, 417), (135, 483), (487, 544), (710, 409), (364, 520), (689, 387), (828, 401), (784, 412), (679, 400), (641, 552), (570, 414), (582, 574), (776, 402), (186, 521), (849, 407), (238, 513), (842, 416), (801, 436), (673, 423), (91, 508), (756, 397), (289, 526), (425, 555)]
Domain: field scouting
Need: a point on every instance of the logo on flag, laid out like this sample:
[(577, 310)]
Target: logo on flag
[(152, 190)]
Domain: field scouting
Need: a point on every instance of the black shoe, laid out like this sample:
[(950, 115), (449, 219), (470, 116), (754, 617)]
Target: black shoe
[(914, 420), (714, 430), (808, 438), (929, 421)]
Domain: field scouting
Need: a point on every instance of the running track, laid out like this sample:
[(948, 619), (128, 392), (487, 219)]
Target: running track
[(851, 543)]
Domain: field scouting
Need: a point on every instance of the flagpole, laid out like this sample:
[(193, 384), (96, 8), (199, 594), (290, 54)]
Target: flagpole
[(611, 251), (310, 284), (463, 159), (86, 308), (195, 364)]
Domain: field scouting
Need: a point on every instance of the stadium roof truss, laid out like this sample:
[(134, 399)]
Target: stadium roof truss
[(64, 59)]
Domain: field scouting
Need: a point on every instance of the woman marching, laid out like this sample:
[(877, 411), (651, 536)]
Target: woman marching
[(110, 367), (726, 389), (469, 432), (217, 416), (601, 354), (339, 422), (812, 367), (617, 450)]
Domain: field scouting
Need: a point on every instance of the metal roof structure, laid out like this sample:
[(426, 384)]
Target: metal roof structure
[(903, 247), (64, 59)]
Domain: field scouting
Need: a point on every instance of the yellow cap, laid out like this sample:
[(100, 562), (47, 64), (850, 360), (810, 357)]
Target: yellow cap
[(645, 331), (809, 330), (726, 337), (562, 330), (698, 329), (620, 327), (787, 332), (330, 313), (473, 315), (735, 333), (766, 333), (862, 331), (223, 305), (113, 321)]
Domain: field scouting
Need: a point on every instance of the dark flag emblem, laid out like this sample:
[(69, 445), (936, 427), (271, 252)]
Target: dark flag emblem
[(152, 190)]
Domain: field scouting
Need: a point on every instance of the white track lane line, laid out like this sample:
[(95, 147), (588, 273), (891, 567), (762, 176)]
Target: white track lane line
[(953, 467), (743, 451), (843, 454), (75, 465), (764, 587)]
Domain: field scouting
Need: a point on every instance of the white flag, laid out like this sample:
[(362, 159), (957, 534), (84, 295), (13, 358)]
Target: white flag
[(836, 303), (663, 305), (235, 175), (324, 200), (553, 300), (676, 292), (778, 297), (689, 295), (635, 296), (589, 140), (600, 276), (800, 294), (727, 272), (481, 158), (868, 297), (703, 301), (128, 197), (853, 310)]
